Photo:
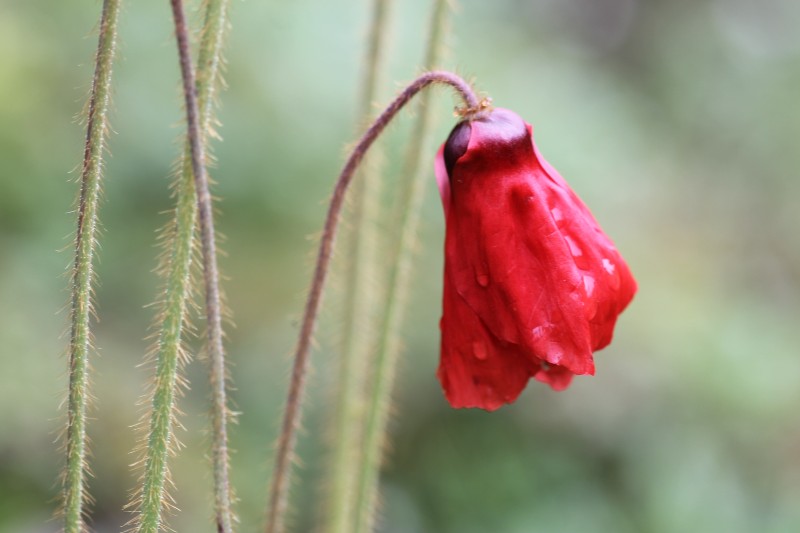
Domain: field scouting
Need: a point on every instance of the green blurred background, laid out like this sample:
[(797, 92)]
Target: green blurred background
[(677, 121)]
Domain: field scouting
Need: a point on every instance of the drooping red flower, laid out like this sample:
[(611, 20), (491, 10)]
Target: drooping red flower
[(532, 285)]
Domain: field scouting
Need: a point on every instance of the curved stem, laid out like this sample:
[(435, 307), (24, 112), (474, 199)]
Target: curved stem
[(361, 282), (210, 271), (291, 420), (82, 273), (407, 217)]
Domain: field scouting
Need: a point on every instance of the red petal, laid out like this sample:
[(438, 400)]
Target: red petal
[(442, 181), (529, 275), (608, 282), (476, 369)]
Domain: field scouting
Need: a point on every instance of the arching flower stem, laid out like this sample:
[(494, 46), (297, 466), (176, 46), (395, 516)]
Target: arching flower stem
[(360, 276), (406, 218), (279, 489)]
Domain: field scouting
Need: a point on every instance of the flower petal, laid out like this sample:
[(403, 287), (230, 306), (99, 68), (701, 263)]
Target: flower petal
[(476, 368), (442, 180), (532, 285)]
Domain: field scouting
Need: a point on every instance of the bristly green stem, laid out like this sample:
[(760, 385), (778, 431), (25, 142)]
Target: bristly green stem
[(178, 262), (361, 295), (82, 273), (278, 498), (407, 217), (210, 61), (210, 271)]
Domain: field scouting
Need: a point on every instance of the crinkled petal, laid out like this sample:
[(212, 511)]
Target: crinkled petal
[(532, 285), (476, 368), (607, 280)]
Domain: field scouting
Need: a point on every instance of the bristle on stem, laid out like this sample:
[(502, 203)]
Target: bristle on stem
[(82, 275), (177, 265)]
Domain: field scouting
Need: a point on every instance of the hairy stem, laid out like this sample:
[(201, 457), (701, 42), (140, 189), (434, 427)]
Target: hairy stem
[(408, 211), (209, 62), (210, 273), (281, 474), (82, 273), (178, 263), (361, 297)]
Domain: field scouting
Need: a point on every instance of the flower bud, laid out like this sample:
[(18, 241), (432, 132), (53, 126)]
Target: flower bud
[(532, 285)]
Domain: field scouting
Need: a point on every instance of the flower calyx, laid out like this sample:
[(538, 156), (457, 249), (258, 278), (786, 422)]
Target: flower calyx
[(466, 112)]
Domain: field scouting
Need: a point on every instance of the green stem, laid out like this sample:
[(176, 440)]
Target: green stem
[(210, 275), (360, 301), (82, 274), (400, 256), (177, 266)]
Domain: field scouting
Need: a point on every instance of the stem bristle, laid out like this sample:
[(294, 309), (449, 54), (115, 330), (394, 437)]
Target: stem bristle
[(73, 510), (179, 265)]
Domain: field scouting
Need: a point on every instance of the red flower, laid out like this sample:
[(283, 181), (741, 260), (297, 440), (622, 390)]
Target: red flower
[(532, 285)]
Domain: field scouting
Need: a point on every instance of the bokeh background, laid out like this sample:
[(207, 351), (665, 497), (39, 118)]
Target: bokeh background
[(677, 122)]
